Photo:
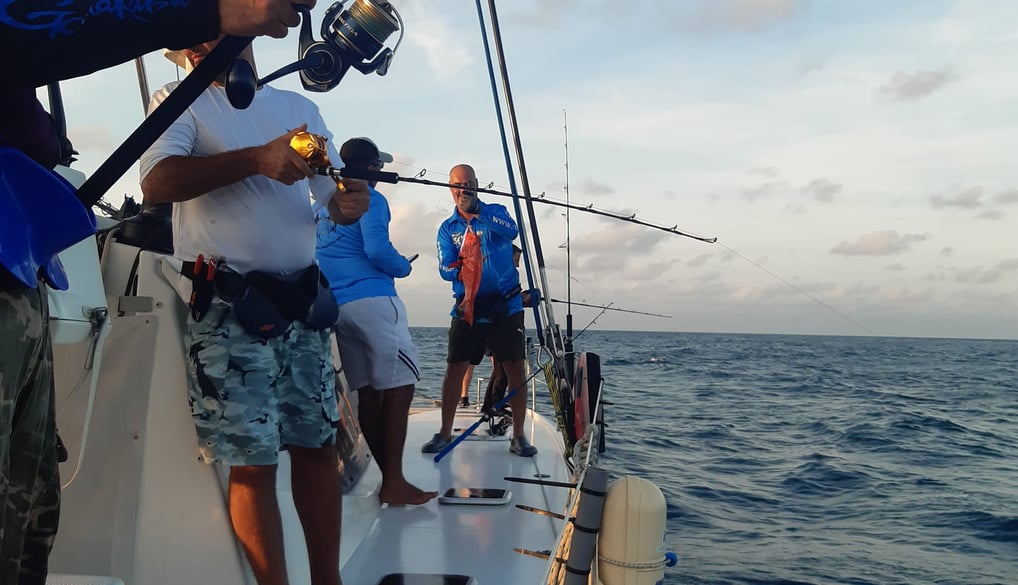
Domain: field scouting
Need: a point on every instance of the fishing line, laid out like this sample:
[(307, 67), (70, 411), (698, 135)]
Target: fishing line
[(800, 291)]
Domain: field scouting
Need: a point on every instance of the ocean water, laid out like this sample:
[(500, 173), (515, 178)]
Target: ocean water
[(811, 459)]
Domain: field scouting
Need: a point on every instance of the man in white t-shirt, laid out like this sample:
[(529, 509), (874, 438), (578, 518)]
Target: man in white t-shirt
[(241, 199)]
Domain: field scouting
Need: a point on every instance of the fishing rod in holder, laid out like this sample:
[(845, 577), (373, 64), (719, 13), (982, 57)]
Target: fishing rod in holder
[(351, 37)]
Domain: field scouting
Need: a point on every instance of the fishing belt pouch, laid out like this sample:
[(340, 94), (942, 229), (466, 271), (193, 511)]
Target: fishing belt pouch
[(266, 304), (492, 307)]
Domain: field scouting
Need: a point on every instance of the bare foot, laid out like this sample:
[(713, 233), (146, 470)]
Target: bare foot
[(404, 494)]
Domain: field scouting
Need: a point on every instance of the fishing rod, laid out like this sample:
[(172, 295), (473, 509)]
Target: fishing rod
[(608, 307), (486, 416), (604, 309), (538, 250), (527, 269), (570, 363), (389, 177)]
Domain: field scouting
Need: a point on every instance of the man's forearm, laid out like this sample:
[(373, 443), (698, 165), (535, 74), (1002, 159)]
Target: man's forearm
[(182, 178)]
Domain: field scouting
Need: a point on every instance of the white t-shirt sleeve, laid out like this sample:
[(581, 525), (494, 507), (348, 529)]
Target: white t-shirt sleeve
[(178, 140), (322, 187)]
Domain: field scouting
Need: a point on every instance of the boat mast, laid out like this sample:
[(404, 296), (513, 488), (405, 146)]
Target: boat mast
[(146, 95)]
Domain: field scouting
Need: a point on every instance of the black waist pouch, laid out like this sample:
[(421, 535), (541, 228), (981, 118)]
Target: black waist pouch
[(266, 304), (492, 307)]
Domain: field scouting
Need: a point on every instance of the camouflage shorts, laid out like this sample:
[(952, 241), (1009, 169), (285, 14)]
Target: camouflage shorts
[(250, 396), (29, 478)]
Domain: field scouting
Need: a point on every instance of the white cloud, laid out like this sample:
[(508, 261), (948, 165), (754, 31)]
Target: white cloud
[(879, 244), (909, 87), (739, 15), (822, 190), (683, 129), (967, 199), (1007, 197), (448, 53)]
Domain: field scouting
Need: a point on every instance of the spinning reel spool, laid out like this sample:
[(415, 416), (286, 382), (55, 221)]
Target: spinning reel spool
[(351, 37)]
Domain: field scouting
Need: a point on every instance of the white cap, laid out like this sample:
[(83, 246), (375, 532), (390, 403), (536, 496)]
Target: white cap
[(178, 58)]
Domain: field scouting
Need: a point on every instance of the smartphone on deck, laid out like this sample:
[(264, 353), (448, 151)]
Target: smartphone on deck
[(476, 496)]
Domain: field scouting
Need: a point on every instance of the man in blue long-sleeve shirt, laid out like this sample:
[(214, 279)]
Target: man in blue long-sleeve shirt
[(498, 307), (379, 357)]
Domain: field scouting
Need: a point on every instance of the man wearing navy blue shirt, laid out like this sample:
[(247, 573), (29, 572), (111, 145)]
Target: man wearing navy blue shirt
[(379, 357), (51, 40)]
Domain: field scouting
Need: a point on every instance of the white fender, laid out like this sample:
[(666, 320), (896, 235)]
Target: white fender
[(631, 543)]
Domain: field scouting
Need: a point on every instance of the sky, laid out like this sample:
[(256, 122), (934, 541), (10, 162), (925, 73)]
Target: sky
[(855, 160)]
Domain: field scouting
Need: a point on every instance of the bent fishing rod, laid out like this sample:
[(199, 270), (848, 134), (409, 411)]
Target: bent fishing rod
[(389, 177)]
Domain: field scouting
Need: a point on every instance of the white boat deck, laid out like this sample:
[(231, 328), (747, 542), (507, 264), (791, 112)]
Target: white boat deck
[(471, 540), (143, 509)]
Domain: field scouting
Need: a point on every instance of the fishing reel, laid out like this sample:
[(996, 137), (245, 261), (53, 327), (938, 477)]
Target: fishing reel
[(312, 148), (352, 37)]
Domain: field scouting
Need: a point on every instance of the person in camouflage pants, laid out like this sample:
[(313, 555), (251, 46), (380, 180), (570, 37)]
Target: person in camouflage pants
[(29, 478)]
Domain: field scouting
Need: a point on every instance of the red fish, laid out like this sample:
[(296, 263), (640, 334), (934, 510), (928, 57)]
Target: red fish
[(470, 263)]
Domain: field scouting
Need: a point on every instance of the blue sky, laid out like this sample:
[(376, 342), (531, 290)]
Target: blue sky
[(859, 154)]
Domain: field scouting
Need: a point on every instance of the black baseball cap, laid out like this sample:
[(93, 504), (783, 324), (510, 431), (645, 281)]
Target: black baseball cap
[(362, 152)]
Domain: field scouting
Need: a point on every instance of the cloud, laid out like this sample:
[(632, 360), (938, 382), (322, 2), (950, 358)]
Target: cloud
[(748, 16), (699, 260), (623, 240), (1006, 197), (764, 190), (769, 172), (413, 228), (1008, 265), (625, 252), (592, 187), (991, 214), (967, 199), (947, 252), (883, 243), (979, 275), (908, 296), (896, 267), (822, 190), (811, 64), (447, 53), (909, 87)]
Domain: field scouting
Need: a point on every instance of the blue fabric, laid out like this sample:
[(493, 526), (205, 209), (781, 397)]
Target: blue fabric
[(497, 230), (41, 217), (358, 259)]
